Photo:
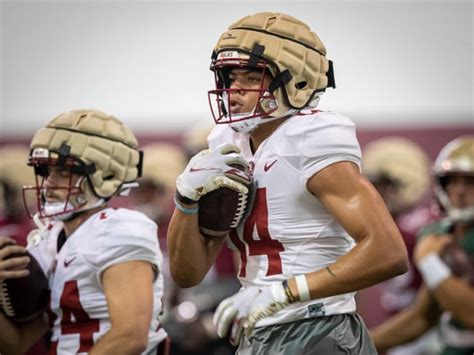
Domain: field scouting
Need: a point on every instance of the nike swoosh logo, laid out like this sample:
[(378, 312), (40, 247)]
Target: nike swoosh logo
[(68, 262), (239, 173), (268, 166), (200, 169)]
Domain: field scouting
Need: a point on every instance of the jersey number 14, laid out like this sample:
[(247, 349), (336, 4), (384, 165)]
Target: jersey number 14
[(265, 245)]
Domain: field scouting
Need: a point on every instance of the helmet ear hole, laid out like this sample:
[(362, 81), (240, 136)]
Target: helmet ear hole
[(301, 85), (443, 181)]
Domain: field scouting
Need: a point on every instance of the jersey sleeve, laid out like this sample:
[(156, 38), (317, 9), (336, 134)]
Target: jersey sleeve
[(316, 141), (128, 236)]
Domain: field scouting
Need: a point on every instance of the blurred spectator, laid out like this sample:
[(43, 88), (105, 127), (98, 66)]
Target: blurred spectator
[(399, 169)]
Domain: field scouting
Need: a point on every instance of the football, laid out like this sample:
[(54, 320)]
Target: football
[(219, 212), (24, 298), (459, 262), (223, 209)]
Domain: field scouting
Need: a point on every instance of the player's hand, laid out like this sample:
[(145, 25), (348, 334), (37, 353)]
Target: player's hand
[(210, 170), (430, 244), (13, 267), (245, 308)]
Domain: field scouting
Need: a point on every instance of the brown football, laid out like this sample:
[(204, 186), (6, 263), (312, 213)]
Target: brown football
[(217, 212), (459, 262), (24, 298)]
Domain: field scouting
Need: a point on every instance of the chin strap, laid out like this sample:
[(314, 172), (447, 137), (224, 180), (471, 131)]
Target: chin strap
[(72, 215), (249, 125), (123, 191), (36, 235), (126, 188)]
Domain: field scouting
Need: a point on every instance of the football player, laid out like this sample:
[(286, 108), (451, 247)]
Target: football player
[(444, 299), (103, 264), (318, 230), (400, 171)]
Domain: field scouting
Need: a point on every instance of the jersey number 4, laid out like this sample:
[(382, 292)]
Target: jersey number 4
[(81, 324), (265, 245)]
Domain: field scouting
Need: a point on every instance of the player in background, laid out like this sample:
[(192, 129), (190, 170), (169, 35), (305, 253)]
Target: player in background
[(103, 264), (318, 230), (162, 163), (14, 174), (400, 171), (444, 300), (14, 220)]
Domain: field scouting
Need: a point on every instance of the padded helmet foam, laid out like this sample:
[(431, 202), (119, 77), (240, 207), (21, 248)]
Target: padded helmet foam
[(288, 49), (457, 157), (92, 144), (402, 162)]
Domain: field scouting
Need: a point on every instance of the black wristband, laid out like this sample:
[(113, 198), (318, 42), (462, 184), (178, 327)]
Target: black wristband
[(288, 293), (184, 200)]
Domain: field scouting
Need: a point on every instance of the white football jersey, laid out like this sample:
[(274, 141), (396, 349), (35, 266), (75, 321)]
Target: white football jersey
[(289, 232), (78, 313)]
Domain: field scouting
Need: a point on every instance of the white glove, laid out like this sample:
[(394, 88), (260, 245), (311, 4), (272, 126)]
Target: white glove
[(210, 170), (245, 308)]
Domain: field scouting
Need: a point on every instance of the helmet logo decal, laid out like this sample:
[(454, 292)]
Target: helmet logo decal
[(40, 153)]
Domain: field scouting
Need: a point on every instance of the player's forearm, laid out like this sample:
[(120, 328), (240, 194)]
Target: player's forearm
[(10, 339), (119, 342), (401, 329), (190, 254), (17, 340), (380, 252), (368, 263), (455, 296)]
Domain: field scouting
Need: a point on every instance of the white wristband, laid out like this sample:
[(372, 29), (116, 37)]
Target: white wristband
[(302, 286), (433, 270)]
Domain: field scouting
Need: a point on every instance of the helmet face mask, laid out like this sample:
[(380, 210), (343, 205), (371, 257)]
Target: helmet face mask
[(220, 98), (455, 162), (73, 192), (97, 151)]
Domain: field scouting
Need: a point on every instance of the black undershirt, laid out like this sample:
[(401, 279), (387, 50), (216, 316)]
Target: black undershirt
[(61, 240)]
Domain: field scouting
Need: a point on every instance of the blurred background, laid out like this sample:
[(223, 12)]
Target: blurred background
[(403, 69), (398, 64)]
